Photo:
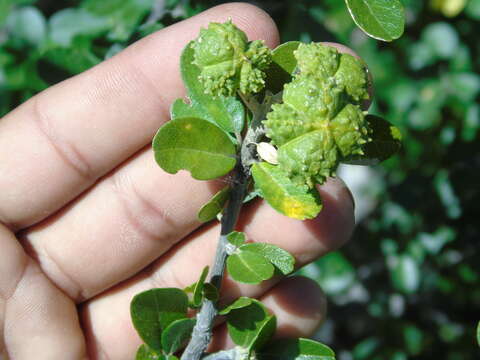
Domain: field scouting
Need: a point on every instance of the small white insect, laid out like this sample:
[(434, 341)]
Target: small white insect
[(267, 152)]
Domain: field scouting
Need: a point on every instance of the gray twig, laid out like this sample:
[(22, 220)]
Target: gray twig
[(202, 332)]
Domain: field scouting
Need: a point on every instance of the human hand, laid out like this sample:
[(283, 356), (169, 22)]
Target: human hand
[(89, 220)]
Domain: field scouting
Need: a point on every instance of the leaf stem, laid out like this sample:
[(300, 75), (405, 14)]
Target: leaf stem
[(202, 332)]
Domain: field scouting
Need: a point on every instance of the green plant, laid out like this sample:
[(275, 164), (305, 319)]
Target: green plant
[(280, 121)]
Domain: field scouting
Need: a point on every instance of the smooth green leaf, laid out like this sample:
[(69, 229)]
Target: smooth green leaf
[(226, 112), (210, 292), (380, 19), (296, 349), (386, 141), (478, 333), (123, 16), (145, 353), (74, 59), (250, 326), (283, 195), (153, 310), (195, 145), (67, 24), (236, 238), (5, 6), (241, 302), (282, 66), (177, 334), (282, 259), (198, 289), (211, 209), (249, 268), (27, 25), (405, 274), (442, 39), (335, 274)]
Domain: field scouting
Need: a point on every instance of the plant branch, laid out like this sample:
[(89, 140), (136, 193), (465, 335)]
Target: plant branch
[(202, 332)]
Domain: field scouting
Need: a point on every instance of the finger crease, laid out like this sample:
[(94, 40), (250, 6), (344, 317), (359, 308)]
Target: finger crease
[(68, 152), (166, 277), (120, 185), (74, 290)]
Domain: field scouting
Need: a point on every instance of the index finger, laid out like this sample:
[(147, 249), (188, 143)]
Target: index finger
[(63, 140)]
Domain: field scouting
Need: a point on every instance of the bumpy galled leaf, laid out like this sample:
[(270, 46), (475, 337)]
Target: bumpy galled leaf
[(177, 334), (283, 195), (153, 310), (380, 19), (320, 120), (283, 64), (228, 62), (241, 302), (250, 327), (386, 141), (296, 349), (196, 145), (280, 258), (210, 210), (249, 267), (227, 112)]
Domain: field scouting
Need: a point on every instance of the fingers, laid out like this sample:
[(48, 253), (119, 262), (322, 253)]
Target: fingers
[(132, 215), (61, 141), (299, 305), (106, 318), (117, 228), (37, 319)]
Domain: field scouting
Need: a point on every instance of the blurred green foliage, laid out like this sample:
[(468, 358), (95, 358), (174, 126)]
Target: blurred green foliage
[(408, 285)]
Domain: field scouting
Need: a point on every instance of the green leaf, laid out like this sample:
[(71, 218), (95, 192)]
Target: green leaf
[(405, 274), (241, 302), (177, 334), (211, 209), (282, 66), (296, 349), (478, 333), (123, 16), (236, 238), (210, 292), (249, 268), (283, 195), (153, 310), (198, 288), (226, 112), (195, 145), (75, 59), (380, 19), (386, 141), (251, 326), (282, 259), (27, 25), (67, 24), (145, 353)]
